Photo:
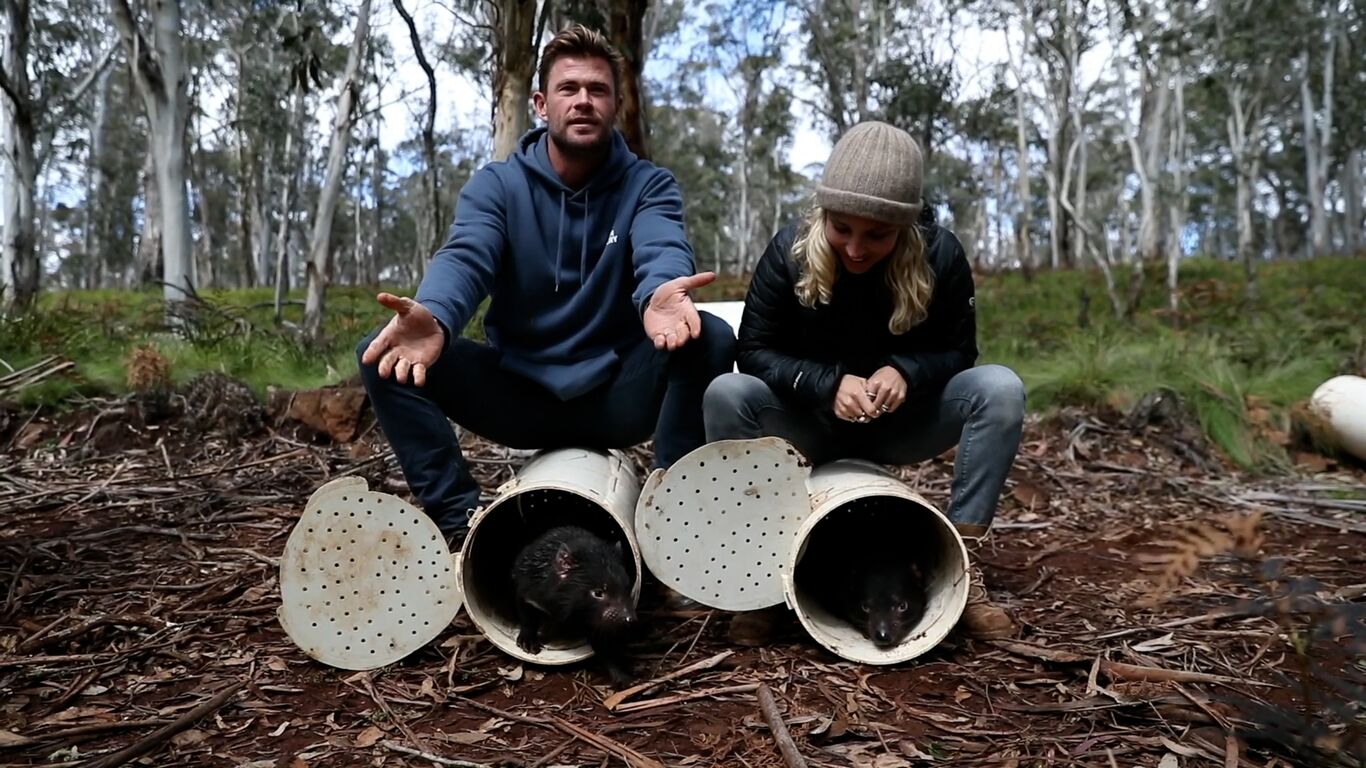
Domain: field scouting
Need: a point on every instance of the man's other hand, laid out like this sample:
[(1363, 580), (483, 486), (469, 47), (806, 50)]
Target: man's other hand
[(409, 344), (670, 318)]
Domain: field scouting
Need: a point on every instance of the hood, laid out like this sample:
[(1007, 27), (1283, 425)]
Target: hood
[(533, 154)]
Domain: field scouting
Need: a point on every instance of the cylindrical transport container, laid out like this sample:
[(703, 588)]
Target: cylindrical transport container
[(592, 488), (850, 485)]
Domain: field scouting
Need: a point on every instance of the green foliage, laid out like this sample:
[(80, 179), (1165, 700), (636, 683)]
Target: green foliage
[(232, 332), (1222, 356)]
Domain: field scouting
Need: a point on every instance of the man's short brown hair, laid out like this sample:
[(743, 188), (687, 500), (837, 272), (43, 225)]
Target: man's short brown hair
[(578, 40)]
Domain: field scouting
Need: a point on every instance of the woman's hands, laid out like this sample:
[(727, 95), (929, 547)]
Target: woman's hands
[(852, 402), (861, 400), (888, 389)]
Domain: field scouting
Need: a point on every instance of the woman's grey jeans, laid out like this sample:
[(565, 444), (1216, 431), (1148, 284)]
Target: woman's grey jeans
[(981, 410)]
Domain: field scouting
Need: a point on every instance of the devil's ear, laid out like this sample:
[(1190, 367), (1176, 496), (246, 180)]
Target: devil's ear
[(564, 561)]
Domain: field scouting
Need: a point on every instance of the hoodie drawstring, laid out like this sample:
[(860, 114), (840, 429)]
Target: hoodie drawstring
[(559, 244), (583, 246)]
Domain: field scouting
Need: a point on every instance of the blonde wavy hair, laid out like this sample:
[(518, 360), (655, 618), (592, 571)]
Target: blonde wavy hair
[(908, 272)]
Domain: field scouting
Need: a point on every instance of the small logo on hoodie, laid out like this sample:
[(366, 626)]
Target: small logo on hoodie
[(611, 237)]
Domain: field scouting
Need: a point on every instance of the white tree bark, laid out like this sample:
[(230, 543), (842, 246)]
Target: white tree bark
[(96, 193), (1318, 134), (1352, 204), (319, 269), (19, 269), (1244, 138), (1022, 239), (1179, 201), (161, 72)]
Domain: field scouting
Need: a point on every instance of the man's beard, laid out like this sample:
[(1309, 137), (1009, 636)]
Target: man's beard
[(571, 148)]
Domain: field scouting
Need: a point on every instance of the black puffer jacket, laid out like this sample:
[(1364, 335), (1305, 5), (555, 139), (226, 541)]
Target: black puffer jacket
[(803, 353)]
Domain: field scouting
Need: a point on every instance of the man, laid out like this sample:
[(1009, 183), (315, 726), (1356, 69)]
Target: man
[(592, 338)]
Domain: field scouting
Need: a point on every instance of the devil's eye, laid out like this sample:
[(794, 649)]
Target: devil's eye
[(865, 606), (902, 606), (599, 593)]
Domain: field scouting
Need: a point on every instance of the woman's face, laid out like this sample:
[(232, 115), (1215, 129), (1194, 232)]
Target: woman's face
[(860, 243)]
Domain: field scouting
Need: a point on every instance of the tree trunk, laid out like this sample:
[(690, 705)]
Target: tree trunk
[(149, 261), (319, 265), (1318, 140), (161, 70), (96, 185), (1351, 207), (295, 152), (262, 178), (627, 34), (1022, 239), (374, 253), (1243, 133), (246, 190), (514, 64), (1179, 200), (19, 268), (433, 223)]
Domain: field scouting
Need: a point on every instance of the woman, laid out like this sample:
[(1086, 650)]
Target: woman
[(858, 340)]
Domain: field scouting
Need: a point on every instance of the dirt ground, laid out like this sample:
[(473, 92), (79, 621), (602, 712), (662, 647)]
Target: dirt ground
[(1173, 613)]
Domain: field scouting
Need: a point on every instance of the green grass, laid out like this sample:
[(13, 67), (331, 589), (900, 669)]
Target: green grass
[(1308, 325)]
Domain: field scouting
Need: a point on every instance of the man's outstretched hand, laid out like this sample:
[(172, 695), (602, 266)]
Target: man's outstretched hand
[(670, 318), (409, 344)]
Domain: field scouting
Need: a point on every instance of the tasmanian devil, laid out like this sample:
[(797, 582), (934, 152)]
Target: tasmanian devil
[(572, 583), (867, 571)]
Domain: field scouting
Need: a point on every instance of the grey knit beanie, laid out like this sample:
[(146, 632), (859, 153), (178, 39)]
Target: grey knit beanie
[(875, 171)]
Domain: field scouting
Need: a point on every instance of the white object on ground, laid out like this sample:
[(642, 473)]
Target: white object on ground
[(845, 484), (727, 524), (365, 578), (572, 484), (1341, 403), (717, 525)]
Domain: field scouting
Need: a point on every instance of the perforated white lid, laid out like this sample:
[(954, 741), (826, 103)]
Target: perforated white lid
[(365, 578), (718, 524)]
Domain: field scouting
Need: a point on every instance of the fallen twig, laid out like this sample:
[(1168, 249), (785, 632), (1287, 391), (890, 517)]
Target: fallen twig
[(391, 746), (615, 700), (609, 745), (1118, 669), (774, 718), (667, 700), (162, 735)]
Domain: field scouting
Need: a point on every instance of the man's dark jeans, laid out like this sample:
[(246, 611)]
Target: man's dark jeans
[(654, 393)]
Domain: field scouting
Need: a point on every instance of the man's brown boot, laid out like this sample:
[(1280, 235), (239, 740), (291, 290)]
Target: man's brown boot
[(982, 619)]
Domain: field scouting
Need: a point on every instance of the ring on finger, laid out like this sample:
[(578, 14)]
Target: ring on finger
[(884, 408)]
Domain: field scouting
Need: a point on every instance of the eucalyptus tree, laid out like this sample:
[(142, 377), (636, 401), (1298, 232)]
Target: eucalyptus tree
[(48, 62), (319, 264), (161, 72)]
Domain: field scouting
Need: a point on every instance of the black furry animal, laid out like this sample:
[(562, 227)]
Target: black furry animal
[(569, 582), (869, 570)]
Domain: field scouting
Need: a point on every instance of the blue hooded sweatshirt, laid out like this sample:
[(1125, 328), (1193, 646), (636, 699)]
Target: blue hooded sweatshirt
[(570, 271)]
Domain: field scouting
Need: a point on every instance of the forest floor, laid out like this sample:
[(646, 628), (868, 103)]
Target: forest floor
[(1174, 612)]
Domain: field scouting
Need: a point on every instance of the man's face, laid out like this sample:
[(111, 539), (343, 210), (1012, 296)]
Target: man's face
[(579, 104)]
